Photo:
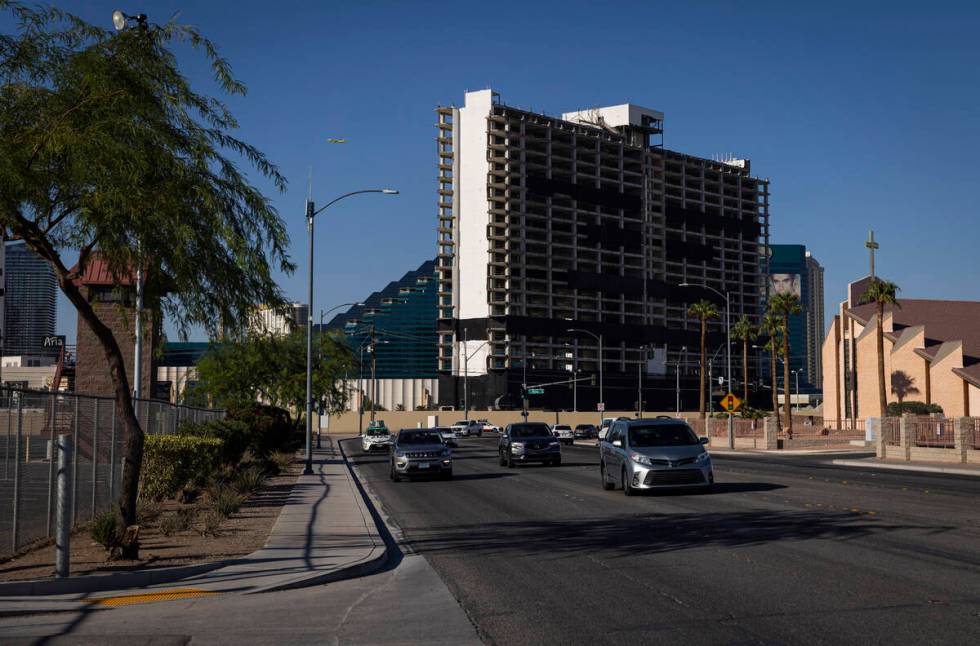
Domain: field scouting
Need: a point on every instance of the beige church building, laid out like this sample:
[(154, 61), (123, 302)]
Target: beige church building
[(932, 354)]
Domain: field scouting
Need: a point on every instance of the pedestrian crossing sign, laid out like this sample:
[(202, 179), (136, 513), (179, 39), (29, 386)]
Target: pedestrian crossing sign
[(730, 403)]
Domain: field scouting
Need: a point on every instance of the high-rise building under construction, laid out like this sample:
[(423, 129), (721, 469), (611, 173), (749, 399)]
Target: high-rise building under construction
[(564, 242)]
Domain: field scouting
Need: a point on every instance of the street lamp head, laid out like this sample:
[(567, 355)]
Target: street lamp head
[(118, 20), (389, 191), (684, 285)]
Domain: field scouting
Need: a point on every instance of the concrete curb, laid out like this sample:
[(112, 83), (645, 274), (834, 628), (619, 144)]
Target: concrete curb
[(107, 582), (919, 468)]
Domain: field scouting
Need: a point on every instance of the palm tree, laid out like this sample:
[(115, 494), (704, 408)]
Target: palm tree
[(903, 385), (881, 293), (743, 329), (784, 306), (703, 310), (772, 325)]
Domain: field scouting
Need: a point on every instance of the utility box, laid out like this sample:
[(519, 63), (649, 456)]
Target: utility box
[(432, 421)]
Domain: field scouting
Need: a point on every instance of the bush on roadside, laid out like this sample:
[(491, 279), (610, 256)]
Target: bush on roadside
[(269, 427), (282, 459), (914, 408), (179, 521), (225, 499), (249, 480), (106, 530), (235, 433), (210, 522), (172, 461)]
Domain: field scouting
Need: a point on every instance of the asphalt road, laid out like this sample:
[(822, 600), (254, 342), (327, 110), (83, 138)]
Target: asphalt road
[(787, 550)]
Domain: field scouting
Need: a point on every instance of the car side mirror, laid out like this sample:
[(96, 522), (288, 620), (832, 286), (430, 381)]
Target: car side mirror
[(618, 443), (704, 440)]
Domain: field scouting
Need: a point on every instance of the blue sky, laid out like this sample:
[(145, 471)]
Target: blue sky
[(862, 115)]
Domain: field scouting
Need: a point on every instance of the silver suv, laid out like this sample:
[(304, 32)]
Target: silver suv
[(645, 454), (420, 451)]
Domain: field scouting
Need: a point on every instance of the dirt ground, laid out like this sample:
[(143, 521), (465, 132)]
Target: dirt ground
[(241, 533)]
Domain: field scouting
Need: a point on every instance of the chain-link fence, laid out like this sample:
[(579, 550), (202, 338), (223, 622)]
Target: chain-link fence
[(31, 420)]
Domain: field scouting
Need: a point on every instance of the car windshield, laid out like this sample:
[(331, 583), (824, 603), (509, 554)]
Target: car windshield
[(444, 430), (417, 437), (377, 431), (585, 427), (529, 430), (463, 423), (662, 435)]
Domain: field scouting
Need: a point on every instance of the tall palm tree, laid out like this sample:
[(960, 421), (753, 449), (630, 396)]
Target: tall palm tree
[(703, 310), (784, 306), (772, 325), (881, 293), (743, 329)]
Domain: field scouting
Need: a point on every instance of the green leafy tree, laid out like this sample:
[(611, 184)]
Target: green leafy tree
[(784, 306), (746, 331), (881, 293), (106, 150), (272, 369), (771, 326), (703, 310)]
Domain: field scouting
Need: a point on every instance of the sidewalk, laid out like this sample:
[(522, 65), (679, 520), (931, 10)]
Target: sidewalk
[(324, 532), (948, 468)]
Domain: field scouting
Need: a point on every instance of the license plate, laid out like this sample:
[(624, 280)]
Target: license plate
[(423, 465)]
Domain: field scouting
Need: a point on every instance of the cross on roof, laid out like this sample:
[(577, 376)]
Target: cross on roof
[(872, 246)]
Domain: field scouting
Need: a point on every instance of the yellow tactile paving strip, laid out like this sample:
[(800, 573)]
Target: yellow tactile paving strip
[(149, 597)]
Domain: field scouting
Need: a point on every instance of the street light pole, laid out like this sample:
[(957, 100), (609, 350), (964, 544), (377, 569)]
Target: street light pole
[(311, 214), (597, 337), (466, 366)]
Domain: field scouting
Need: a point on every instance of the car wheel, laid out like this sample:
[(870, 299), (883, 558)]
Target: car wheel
[(447, 475), (392, 474), (501, 459), (606, 485), (556, 462), (628, 489), (510, 461)]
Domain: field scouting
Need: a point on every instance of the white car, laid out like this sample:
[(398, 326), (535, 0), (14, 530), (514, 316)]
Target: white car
[(375, 439), (488, 427), (467, 427), (564, 433), (448, 436)]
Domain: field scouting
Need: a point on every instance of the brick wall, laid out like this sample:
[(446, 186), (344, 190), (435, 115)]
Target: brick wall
[(92, 369)]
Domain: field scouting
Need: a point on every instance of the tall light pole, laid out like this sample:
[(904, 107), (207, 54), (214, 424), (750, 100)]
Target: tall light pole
[(728, 333), (677, 387), (597, 337), (311, 213)]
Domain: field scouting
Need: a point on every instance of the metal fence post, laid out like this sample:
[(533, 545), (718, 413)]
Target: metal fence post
[(66, 512), (95, 452), (6, 446), (51, 467), (74, 466), (20, 423), (112, 453)]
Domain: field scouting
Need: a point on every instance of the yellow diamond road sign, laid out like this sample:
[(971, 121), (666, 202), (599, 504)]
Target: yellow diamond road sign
[(730, 403)]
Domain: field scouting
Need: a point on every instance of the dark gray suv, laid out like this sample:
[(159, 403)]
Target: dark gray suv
[(528, 442)]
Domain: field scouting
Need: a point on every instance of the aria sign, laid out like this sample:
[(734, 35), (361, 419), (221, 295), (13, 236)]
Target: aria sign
[(57, 341)]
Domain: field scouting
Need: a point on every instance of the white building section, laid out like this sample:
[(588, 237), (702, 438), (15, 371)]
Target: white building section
[(472, 205)]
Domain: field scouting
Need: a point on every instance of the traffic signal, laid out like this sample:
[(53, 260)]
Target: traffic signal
[(592, 380)]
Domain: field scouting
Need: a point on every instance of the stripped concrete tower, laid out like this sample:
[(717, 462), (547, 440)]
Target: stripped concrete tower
[(583, 222)]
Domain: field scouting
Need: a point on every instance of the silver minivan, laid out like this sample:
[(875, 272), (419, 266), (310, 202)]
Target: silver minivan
[(643, 454)]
